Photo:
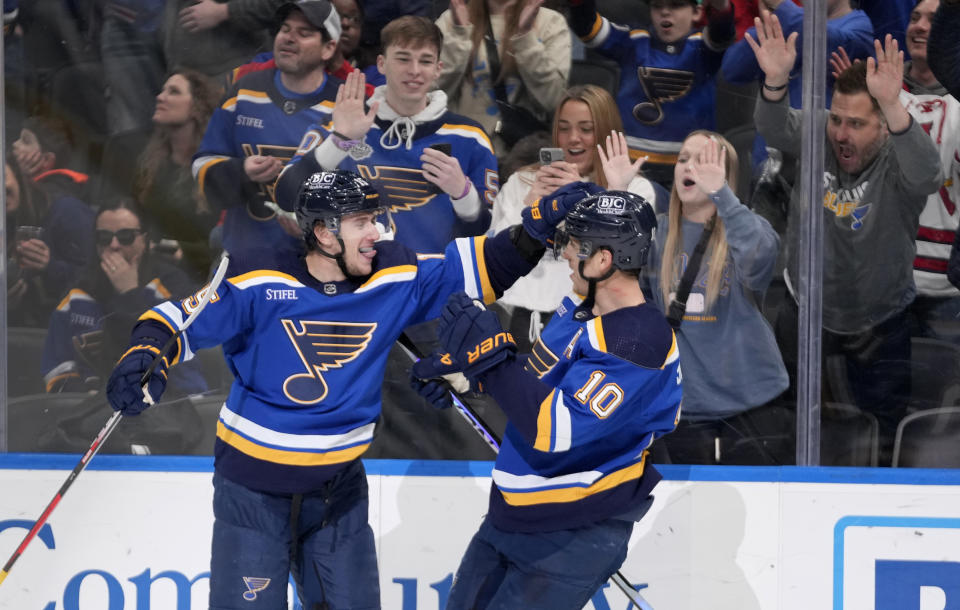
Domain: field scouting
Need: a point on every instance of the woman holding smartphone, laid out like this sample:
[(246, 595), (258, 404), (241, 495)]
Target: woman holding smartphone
[(588, 132)]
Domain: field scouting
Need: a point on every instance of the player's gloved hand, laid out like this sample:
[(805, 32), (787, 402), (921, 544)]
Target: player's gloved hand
[(472, 335), (426, 377), (124, 390), (541, 219)]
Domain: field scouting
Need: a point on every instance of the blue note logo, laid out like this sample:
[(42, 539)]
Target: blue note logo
[(254, 586), (322, 346)]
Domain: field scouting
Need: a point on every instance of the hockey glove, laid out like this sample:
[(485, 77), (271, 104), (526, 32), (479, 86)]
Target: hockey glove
[(434, 376), (541, 219), (124, 389), (472, 335)]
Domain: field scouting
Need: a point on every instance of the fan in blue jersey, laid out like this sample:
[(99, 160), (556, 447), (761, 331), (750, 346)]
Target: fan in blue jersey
[(435, 170), (307, 340), (602, 383), (258, 127), (667, 87)]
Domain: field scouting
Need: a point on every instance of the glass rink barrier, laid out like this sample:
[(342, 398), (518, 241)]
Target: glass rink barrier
[(734, 263)]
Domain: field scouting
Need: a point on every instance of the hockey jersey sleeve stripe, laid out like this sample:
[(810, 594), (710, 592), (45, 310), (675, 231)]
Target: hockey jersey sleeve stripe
[(74, 295), (595, 29), (202, 165), (673, 354), (475, 279), (544, 425), (251, 96), (390, 275), (156, 287), (467, 131), (595, 334), (541, 359), (258, 278), (565, 488), (170, 316), (60, 372), (553, 424), (640, 34), (263, 436), (324, 106), (289, 458)]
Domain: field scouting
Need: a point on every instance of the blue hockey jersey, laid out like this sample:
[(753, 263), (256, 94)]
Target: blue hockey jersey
[(666, 90), (583, 410), (259, 117), (423, 215), (87, 331), (309, 357)]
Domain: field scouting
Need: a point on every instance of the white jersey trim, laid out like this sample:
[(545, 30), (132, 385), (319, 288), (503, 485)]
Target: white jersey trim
[(283, 440)]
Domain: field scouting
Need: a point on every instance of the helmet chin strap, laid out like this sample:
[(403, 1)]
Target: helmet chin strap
[(340, 262), (592, 284)]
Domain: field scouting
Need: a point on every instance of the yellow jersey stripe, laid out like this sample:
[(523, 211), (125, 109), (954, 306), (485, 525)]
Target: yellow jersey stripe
[(486, 290), (76, 293), (572, 494), (597, 24), (152, 315), (289, 458), (383, 273), (545, 424)]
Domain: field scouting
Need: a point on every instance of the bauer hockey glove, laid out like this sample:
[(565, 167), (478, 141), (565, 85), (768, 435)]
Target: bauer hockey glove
[(541, 219), (433, 378), (472, 335), (124, 389)]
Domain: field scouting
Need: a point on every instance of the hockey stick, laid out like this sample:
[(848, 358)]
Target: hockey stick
[(114, 420), (484, 430), (464, 409)]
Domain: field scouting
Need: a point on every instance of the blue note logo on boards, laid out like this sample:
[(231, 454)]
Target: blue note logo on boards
[(896, 563)]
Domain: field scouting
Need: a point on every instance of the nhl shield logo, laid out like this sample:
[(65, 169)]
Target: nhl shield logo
[(289, 107)]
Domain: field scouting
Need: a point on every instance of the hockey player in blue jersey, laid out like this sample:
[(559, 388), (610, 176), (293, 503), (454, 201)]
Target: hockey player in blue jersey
[(602, 383), (667, 73), (398, 144), (307, 341), (258, 127)]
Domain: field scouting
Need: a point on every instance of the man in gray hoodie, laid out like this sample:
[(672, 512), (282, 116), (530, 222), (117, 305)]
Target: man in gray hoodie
[(879, 168)]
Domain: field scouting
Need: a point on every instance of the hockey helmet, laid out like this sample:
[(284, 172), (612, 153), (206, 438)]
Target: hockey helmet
[(619, 221), (328, 196)]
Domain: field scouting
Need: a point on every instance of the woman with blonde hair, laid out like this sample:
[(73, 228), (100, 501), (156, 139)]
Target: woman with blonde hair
[(588, 131), (532, 64), (732, 368)]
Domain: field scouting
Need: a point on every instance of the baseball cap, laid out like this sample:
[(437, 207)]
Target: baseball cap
[(320, 14)]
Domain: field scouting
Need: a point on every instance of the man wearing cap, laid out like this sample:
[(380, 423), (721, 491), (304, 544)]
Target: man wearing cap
[(258, 127)]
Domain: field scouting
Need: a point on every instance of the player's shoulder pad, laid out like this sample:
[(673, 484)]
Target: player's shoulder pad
[(258, 80), (392, 254), (453, 124), (639, 334)]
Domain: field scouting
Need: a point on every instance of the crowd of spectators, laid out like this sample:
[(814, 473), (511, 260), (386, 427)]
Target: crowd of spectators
[(462, 114)]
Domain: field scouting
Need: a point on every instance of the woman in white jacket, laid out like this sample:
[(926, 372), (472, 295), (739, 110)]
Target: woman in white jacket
[(588, 129)]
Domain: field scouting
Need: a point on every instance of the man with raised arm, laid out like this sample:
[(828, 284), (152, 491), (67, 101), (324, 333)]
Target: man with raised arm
[(435, 169), (879, 167)]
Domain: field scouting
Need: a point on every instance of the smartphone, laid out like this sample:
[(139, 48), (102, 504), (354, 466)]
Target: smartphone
[(443, 147), (549, 155)]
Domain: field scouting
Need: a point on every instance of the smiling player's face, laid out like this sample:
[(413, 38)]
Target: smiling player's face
[(359, 232)]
